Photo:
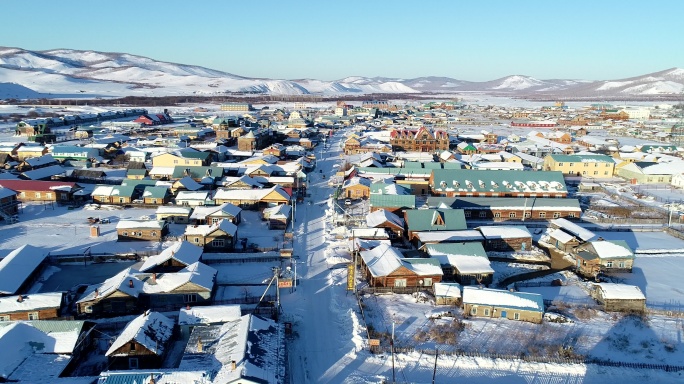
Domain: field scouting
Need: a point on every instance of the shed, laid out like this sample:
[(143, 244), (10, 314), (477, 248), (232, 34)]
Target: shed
[(447, 293)]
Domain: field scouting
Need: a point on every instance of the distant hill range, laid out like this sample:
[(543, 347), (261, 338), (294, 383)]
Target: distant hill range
[(74, 73)]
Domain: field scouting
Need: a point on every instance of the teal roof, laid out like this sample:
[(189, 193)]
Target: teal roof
[(500, 181), (471, 203), (468, 249), (156, 192), (427, 219), (138, 183), (379, 187), (194, 155), (583, 158), (658, 148), (393, 201), (136, 172), (196, 172)]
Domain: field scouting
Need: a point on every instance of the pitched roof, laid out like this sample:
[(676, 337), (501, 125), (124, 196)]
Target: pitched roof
[(181, 251), (16, 267), (380, 216), (503, 181), (36, 185), (467, 258), (435, 219), (152, 330), (121, 282), (506, 299)]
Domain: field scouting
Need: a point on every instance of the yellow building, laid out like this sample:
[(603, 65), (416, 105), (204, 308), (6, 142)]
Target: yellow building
[(596, 166), (171, 160)]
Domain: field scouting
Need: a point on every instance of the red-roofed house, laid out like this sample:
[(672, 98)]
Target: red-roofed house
[(154, 119), (35, 190), (419, 140)]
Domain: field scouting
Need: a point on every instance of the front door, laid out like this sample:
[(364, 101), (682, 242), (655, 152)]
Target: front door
[(503, 314)]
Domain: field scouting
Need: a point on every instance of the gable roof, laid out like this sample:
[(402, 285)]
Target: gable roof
[(467, 258), (435, 219), (196, 273), (573, 229), (381, 216), (16, 267), (606, 249), (152, 330), (501, 298), (121, 282), (181, 251), (498, 181)]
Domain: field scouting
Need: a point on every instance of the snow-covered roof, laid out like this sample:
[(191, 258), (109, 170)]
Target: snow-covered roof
[(123, 282), (500, 298), (612, 249), (134, 224), (196, 273), (181, 251), (449, 236), (574, 229), (612, 291), (380, 216), (173, 210), (203, 230), (447, 289), (561, 235), (152, 330), (382, 260), (16, 267), (504, 231), (192, 195), (209, 315), (33, 301)]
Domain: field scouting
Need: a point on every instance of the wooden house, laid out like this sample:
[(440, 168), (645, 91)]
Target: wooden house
[(494, 303), (114, 194), (214, 214), (172, 259), (466, 263), (141, 230), (192, 285), (218, 237), (35, 306), (193, 198), (384, 266), (356, 188), (9, 204), (506, 238), (388, 220), (619, 297), (429, 220), (116, 296), (253, 199), (278, 217), (603, 256), (142, 344)]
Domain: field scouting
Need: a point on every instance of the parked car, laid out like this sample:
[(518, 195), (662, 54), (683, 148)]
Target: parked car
[(347, 202)]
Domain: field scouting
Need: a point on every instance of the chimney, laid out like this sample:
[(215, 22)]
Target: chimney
[(154, 277), (152, 380), (130, 283), (233, 365), (20, 298), (97, 292), (187, 306), (199, 345)]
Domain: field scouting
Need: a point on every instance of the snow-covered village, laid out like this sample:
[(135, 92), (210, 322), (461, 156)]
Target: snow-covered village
[(345, 242)]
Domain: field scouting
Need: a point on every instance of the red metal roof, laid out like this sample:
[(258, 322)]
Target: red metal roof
[(35, 185)]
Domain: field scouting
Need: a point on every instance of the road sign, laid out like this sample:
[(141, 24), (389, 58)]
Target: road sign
[(285, 283), (374, 342)]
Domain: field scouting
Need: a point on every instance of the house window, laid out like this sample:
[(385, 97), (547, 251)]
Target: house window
[(497, 215), (33, 316), (571, 215), (175, 161), (153, 233), (572, 164), (4, 318), (609, 264), (560, 164), (595, 172), (125, 233), (196, 239), (584, 173), (23, 194), (121, 199), (133, 363), (218, 243), (427, 282), (215, 220), (190, 298), (154, 201), (621, 264), (473, 311), (467, 214), (542, 215), (483, 214), (528, 215), (511, 215), (48, 195), (486, 312), (37, 195), (400, 283), (516, 316), (132, 346), (556, 215)]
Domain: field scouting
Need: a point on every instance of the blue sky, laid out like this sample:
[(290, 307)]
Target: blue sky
[(474, 40)]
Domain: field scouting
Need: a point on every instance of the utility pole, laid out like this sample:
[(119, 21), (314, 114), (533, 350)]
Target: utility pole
[(434, 370), (392, 348)]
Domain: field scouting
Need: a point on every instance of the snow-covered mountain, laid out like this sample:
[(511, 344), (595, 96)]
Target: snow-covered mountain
[(69, 73)]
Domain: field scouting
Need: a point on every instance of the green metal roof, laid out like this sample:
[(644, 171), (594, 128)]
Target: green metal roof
[(425, 219), (195, 155), (583, 158), (156, 192), (50, 326), (196, 172), (138, 183), (136, 172), (500, 181), (501, 202), (393, 201), (378, 187), (468, 249)]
